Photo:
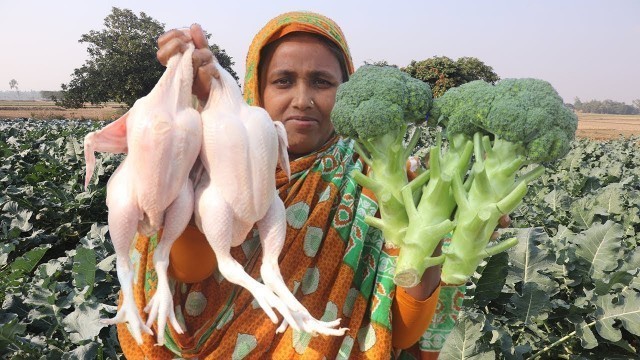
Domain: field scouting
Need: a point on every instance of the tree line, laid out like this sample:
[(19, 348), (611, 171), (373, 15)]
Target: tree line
[(607, 107), (122, 65)]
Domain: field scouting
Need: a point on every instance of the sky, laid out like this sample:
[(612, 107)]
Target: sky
[(585, 48)]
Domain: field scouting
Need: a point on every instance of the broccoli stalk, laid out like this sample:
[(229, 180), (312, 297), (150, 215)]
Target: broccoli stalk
[(386, 179), (493, 193), (430, 221)]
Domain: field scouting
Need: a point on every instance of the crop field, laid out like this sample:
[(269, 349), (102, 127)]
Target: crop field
[(605, 126), (570, 289), (593, 126), (47, 110)]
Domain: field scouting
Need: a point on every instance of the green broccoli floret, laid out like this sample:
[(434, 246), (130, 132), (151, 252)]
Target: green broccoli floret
[(375, 108), (515, 123), (525, 112)]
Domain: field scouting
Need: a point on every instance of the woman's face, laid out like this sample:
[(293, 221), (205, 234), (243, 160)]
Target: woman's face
[(298, 86)]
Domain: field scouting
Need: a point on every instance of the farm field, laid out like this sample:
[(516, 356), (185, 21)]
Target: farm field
[(46, 110), (593, 126), (570, 289), (606, 126)]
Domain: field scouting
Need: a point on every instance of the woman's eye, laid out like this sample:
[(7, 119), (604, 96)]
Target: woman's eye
[(322, 83), (282, 82)]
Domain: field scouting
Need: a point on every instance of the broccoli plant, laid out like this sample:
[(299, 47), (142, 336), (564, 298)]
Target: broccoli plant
[(374, 108), (515, 123)]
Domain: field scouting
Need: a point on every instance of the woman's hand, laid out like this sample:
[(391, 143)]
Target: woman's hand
[(175, 41), (504, 222)]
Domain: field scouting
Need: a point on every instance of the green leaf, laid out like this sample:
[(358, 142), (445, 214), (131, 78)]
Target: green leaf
[(532, 305), (464, 341), (84, 322), (40, 297), (599, 248), (10, 327), (622, 308), (558, 199), (622, 277), (610, 200), (27, 262), (584, 333), (107, 264), (5, 250), (492, 279), (84, 268), (583, 212), (88, 351), (529, 260)]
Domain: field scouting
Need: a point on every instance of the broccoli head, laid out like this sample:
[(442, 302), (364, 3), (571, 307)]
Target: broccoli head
[(528, 112), (377, 100)]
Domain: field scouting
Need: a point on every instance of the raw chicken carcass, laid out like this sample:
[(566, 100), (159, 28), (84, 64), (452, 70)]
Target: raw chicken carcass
[(240, 150), (151, 189)]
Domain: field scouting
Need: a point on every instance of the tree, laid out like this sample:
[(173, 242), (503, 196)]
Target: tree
[(443, 73), (577, 102), (13, 84), (122, 64), (379, 63), (636, 103)]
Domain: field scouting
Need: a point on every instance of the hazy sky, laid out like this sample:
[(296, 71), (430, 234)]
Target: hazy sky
[(585, 48)]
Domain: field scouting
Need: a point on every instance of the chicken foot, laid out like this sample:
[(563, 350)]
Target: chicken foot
[(160, 306), (272, 228)]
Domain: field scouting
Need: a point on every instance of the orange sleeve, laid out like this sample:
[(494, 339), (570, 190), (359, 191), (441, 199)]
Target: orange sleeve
[(411, 317), (191, 258)]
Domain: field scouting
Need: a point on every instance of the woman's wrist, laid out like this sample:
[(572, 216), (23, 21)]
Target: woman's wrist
[(429, 282), (427, 285)]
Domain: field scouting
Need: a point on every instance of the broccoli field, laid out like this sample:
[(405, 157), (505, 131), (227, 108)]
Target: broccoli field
[(569, 289)]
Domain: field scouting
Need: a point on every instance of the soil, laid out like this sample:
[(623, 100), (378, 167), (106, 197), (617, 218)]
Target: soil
[(46, 110)]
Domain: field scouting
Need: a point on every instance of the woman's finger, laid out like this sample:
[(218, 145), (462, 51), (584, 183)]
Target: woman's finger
[(505, 221), (173, 34), (202, 81), (199, 39), (170, 48), (204, 65)]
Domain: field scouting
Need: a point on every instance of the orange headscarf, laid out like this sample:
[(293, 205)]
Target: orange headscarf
[(297, 21)]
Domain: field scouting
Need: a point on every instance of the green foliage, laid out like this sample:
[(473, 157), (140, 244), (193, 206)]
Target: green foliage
[(122, 64), (443, 73), (571, 289), (57, 268)]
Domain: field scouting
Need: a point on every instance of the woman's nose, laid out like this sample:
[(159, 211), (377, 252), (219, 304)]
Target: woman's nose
[(303, 99)]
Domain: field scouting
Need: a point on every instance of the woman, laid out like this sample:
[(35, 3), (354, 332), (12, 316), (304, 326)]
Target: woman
[(336, 265)]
